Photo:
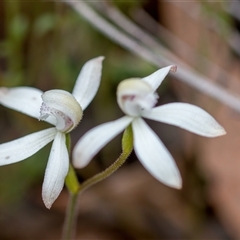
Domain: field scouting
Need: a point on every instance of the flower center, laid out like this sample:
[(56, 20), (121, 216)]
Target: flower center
[(134, 96), (63, 108)]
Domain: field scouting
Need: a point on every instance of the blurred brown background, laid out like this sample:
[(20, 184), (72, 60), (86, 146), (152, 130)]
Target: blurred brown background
[(44, 45)]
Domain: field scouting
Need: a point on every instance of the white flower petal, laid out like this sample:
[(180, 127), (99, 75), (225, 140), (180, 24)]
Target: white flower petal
[(186, 116), (56, 171), (22, 148), (154, 156), (88, 82), (156, 78), (90, 144), (23, 99), (26, 100)]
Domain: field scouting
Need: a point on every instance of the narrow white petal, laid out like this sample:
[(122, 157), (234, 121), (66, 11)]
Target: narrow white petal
[(154, 156), (90, 144), (56, 171), (187, 116), (22, 148), (88, 82), (156, 78), (23, 99), (26, 100)]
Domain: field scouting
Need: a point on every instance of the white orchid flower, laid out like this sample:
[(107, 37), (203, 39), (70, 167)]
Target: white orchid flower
[(137, 98), (58, 107)]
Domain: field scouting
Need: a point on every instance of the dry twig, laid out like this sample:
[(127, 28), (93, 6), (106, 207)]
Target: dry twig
[(185, 73)]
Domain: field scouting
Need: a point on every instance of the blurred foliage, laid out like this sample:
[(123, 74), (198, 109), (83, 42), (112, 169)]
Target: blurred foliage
[(127, 5), (223, 20)]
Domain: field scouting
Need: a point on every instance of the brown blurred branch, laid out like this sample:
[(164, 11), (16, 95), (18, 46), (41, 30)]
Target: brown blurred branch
[(185, 73)]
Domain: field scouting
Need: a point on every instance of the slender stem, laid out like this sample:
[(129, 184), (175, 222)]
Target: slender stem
[(71, 180), (127, 147), (73, 186), (106, 173), (70, 221)]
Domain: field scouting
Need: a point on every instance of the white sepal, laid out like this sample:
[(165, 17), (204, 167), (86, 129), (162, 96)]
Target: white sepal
[(56, 171), (95, 139), (88, 82), (156, 78), (154, 156), (188, 117), (26, 100), (64, 107), (22, 148)]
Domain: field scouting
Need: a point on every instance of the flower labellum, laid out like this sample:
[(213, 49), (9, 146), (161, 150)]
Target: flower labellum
[(63, 107), (134, 96)]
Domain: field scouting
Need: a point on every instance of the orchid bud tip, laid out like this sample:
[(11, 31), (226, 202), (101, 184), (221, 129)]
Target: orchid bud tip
[(173, 69)]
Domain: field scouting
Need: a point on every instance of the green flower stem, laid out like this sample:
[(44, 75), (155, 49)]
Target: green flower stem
[(127, 147), (71, 180), (75, 188), (70, 221)]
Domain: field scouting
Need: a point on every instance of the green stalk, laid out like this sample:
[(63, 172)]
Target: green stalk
[(127, 147), (70, 221), (75, 188)]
